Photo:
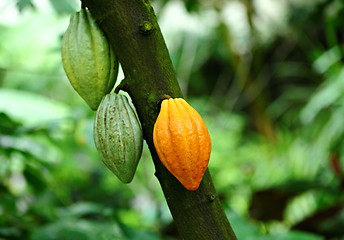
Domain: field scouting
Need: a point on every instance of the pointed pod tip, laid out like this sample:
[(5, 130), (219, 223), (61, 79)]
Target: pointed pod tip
[(192, 187)]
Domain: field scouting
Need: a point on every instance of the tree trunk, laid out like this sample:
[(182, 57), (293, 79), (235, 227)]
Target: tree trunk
[(132, 29)]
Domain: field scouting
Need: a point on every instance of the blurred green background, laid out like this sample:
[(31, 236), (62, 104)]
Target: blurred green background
[(266, 75)]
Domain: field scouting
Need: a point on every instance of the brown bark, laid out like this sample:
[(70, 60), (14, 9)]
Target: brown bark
[(131, 27)]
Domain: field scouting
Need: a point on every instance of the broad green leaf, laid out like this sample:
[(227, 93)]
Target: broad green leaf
[(32, 109)]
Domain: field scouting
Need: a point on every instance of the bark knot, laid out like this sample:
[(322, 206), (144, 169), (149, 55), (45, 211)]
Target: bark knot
[(146, 27)]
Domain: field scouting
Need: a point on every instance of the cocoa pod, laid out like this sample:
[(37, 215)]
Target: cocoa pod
[(88, 58), (118, 136), (182, 142)]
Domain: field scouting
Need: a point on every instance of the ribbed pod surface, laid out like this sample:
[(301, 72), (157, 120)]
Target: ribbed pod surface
[(88, 59), (182, 141), (118, 136)]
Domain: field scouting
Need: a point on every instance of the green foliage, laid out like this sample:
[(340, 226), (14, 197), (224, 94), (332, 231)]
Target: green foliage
[(22, 4), (270, 90)]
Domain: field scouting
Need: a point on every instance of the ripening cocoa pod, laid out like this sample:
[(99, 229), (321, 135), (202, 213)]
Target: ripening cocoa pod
[(182, 142), (118, 136), (88, 58)]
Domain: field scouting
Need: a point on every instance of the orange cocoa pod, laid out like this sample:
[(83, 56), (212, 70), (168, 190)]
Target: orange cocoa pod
[(182, 142)]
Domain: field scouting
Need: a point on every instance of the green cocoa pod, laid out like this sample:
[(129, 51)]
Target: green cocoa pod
[(88, 59), (118, 136)]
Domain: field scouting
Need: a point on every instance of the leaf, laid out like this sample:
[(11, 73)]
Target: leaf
[(192, 5), (329, 93), (77, 229), (31, 109), (7, 125), (60, 231), (82, 209), (246, 230), (327, 59), (35, 178), (296, 235), (62, 6), (23, 4)]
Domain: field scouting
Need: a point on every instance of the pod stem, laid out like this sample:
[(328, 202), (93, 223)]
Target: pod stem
[(165, 96), (122, 86), (117, 89)]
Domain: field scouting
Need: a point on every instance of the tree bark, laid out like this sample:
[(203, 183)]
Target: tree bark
[(132, 29)]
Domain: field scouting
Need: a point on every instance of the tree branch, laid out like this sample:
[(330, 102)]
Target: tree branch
[(131, 27)]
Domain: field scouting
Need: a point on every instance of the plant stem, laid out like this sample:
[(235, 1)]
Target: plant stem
[(132, 29)]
